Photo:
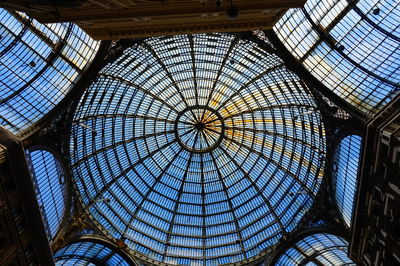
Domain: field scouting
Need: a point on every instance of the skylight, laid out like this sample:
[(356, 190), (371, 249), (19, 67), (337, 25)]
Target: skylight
[(317, 249), (49, 181), (39, 64), (200, 149), (88, 253), (352, 47), (346, 162)]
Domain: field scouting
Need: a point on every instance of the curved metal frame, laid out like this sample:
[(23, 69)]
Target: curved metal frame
[(56, 59), (117, 89), (101, 241), (312, 230), (319, 28), (342, 134), (67, 188), (197, 125)]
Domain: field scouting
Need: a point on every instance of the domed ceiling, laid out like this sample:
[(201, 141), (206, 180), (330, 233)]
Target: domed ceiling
[(200, 149)]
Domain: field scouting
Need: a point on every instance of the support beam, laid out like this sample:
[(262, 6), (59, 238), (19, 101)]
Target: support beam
[(18, 200), (294, 65), (115, 19)]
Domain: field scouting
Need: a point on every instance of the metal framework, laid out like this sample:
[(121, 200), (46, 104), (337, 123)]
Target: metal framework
[(39, 64), (350, 46), (127, 19), (23, 236), (197, 149), (317, 249), (91, 252), (49, 179), (207, 148), (345, 168)]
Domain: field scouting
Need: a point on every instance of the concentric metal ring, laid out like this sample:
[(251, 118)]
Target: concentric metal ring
[(199, 129), (184, 199)]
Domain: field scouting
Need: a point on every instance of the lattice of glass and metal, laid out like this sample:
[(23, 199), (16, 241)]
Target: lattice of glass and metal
[(85, 252), (197, 149), (352, 47), (345, 169), (49, 182), (39, 63), (317, 249)]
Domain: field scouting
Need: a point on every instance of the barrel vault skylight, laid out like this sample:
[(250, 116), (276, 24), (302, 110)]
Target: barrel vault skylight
[(39, 64), (86, 252), (199, 149), (345, 169), (352, 47), (48, 177), (317, 249)]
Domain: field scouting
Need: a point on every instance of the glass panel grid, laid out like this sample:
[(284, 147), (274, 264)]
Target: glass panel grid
[(200, 148), (49, 182), (39, 63), (346, 166), (351, 47), (317, 249), (88, 253)]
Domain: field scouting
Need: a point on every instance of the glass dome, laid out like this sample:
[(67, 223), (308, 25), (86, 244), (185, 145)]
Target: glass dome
[(199, 149), (318, 249), (39, 64), (352, 47), (346, 165), (49, 182)]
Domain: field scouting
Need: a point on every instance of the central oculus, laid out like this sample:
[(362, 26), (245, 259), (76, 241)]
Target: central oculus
[(199, 129)]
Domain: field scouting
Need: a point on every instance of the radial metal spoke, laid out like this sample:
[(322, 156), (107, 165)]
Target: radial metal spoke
[(151, 189), (213, 130), (293, 176), (97, 152), (116, 178), (222, 66), (188, 123), (131, 116), (276, 134), (188, 132), (259, 191), (177, 202), (205, 138), (231, 205), (196, 137), (169, 75), (272, 107), (137, 87), (208, 136), (193, 57), (203, 203), (244, 86)]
